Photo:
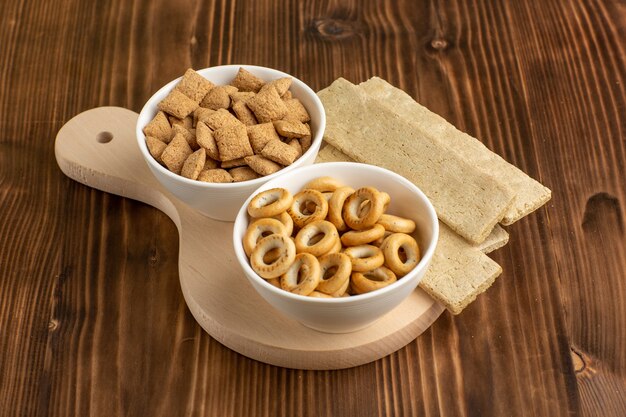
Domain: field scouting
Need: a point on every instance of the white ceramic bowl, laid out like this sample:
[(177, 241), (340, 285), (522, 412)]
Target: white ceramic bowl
[(342, 315), (222, 201)]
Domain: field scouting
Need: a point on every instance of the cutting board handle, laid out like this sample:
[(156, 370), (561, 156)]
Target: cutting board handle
[(99, 148)]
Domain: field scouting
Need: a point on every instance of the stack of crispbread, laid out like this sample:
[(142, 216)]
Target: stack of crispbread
[(471, 188)]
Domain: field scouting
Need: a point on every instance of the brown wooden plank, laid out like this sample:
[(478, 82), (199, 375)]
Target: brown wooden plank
[(92, 321)]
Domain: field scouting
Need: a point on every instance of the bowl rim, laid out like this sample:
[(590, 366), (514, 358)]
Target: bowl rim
[(423, 263), (152, 102)]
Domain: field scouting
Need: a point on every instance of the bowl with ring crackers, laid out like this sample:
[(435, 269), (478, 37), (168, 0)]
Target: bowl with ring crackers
[(337, 245), (213, 136)]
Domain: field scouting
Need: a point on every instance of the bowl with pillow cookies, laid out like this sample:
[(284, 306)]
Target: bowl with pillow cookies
[(213, 136), (336, 246)]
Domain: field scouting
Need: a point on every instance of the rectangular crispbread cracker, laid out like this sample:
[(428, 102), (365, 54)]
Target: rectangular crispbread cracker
[(529, 194), (468, 200), (459, 271), (328, 153), (496, 239)]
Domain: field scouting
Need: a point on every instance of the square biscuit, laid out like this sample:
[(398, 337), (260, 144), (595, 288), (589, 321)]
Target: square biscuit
[(291, 128), (194, 164), (280, 152), (233, 163), (187, 122), (201, 114), (177, 104), (155, 147), (159, 128), (194, 85), (244, 114), (306, 141), (204, 138), (260, 134), (221, 118), (232, 142), (281, 85), (246, 81), (216, 98), (267, 106), (295, 143), (175, 154), (188, 134), (243, 174), (215, 175), (296, 110), (241, 96), (210, 163), (262, 165)]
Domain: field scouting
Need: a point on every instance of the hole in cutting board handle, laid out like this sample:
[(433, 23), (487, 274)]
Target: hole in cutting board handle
[(104, 137)]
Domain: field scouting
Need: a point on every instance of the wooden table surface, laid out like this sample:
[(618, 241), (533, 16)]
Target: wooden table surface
[(92, 319)]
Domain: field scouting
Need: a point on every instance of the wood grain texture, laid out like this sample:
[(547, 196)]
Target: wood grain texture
[(92, 320)]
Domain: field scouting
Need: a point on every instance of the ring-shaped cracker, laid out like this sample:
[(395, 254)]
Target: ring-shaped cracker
[(396, 224), (271, 256), (300, 202), (342, 291), (336, 248), (358, 216), (308, 232), (257, 228), (270, 203), (302, 276), (317, 294), (362, 207), (350, 290), (281, 264), (310, 206), (324, 184), (286, 220), (362, 237), (335, 207), (364, 282), (386, 200), (378, 242), (335, 282), (364, 257), (275, 282), (391, 251)]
